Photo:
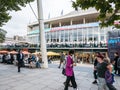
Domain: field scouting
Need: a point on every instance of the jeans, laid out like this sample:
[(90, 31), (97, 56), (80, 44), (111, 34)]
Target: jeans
[(95, 74), (102, 84), (111, 87), (37, 64), (72, 79), (19, 65)]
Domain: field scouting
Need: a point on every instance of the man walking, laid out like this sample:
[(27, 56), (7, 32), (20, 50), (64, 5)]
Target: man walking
[(116, 57), (62, 58), (95, 69), (20, 57)]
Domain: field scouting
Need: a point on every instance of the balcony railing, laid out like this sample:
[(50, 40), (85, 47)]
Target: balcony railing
[(55, 46)]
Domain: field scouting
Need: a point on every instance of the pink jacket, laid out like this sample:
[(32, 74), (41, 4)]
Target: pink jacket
[(69, 68)]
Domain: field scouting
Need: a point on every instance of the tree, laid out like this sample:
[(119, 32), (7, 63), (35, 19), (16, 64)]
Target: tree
[(9, 5), (2, 37), (108, 9)]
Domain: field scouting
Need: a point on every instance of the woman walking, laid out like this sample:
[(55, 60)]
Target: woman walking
[(70, 72), (102, 67)]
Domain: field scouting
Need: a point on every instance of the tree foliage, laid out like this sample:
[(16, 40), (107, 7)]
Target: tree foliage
[(2, 37), (108, 9), (9, 5)]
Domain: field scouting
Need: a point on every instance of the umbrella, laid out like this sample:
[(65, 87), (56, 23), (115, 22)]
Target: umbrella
[(13, 52), (3, 51), (52, 54), (36, 53), (25, 52)]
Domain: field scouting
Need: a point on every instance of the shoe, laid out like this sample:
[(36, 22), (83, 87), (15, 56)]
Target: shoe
[(68, 84), (94, 82), (118, 74), (64, 83), (75, 89)]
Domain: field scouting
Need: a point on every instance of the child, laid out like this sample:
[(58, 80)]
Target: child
[(110, 79)]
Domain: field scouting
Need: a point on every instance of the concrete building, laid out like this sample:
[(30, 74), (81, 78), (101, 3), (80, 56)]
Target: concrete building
[(14, 40)]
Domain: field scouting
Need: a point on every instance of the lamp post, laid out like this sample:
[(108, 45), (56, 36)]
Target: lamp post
[(42, 33)]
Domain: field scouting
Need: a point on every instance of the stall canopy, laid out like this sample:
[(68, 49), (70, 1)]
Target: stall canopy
[(36, 53), (25, 52), (13, 52), (50, 53), (3, 51)]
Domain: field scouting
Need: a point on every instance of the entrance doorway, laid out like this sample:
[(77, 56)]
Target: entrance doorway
[(85, 57)]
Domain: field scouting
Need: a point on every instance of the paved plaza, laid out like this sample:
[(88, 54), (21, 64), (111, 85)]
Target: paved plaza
[(46, 79)]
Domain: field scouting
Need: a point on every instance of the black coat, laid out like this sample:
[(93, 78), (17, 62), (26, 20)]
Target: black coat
[(19, 57), (116, 60)]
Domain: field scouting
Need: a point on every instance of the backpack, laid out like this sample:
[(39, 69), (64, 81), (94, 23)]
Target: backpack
[(109, 78)]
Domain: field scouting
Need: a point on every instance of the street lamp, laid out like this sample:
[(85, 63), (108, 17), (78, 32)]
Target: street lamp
[(42, 33)]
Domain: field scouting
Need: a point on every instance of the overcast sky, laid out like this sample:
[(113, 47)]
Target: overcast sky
[(18, 24)]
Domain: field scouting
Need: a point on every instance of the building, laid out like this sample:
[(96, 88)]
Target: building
[(14, 40), (78, 30), (113, 43)]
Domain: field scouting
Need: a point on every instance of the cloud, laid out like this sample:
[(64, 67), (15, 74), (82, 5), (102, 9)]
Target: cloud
[(20, 19)]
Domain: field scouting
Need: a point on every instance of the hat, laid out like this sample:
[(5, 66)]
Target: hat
[(100, 56)]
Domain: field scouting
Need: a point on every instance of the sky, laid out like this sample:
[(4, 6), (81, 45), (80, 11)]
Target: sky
[(20, 19)]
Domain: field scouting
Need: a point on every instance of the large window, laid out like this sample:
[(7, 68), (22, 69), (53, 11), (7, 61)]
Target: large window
[(90, 34), (74, 35), (85, 35), (80, 35), (58, 36), (96, 34), (47, 36), (62, 36), (66, 36)]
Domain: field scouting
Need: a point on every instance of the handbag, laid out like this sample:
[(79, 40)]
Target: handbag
[(63, 71), (109, 77)]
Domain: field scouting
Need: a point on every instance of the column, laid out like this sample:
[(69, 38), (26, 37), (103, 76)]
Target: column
[(68, 36), (84, 21), (71, 22), (87, 35), (99, 35), (82, 36), (42, 33), (60, 24), (93, 35), (50, 25), (59, 36), (77, 35), (64, 36)]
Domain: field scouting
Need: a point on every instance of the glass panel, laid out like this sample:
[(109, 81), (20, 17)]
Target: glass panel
[(62, 36), (79, 34), (66, 35), (74, 35)]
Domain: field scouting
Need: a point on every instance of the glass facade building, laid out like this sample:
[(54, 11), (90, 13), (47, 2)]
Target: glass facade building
[(77, 30)]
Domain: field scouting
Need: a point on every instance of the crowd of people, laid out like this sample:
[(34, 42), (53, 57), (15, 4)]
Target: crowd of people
[(103, 72), (7, 58), (22, 60)]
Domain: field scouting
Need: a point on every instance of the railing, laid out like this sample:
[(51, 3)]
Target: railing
[(55, 46)]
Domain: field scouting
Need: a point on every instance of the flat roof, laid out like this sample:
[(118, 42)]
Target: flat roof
[(75, 15)]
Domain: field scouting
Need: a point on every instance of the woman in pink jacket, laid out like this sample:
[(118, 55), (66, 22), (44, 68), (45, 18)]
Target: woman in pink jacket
[(70, 72)]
